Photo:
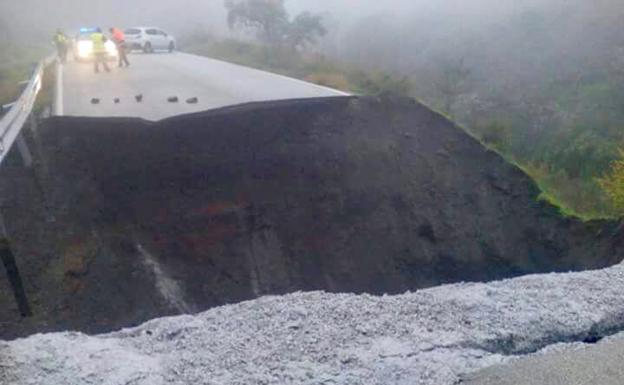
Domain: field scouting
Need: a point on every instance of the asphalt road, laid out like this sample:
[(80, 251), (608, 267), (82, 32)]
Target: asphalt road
[(602, 364), (162, 75)]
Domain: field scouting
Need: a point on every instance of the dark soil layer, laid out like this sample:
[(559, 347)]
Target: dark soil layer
[(124, 220)]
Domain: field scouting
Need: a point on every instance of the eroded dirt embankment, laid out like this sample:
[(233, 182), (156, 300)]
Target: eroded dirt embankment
[(130, 220)]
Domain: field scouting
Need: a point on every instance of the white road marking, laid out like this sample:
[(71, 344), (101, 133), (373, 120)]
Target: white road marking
[(342, 93)]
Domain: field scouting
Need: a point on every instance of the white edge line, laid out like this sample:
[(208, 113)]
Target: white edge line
[(274, 74), (342, 93), (58, 102)]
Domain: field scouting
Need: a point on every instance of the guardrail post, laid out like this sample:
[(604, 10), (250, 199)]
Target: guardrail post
[(8, 260), (57, 107), (24, 151)]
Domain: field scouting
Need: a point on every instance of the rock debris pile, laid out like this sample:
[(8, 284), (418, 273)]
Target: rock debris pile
[(432, 336)]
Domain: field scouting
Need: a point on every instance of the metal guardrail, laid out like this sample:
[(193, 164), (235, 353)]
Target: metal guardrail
[(13, 121)]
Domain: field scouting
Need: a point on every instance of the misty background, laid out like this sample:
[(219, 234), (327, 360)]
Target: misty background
[(541, 81)]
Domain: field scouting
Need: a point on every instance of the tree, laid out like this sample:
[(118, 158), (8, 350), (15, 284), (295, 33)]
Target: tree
[(4, 30), (452, 83), (305, 29), (268, 18), (270, 21), (613, 184)]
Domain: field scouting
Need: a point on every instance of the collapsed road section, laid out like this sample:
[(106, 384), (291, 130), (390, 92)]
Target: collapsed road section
[(124, 220)]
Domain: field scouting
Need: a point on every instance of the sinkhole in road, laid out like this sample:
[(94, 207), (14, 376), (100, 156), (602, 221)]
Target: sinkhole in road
[(347, 194)]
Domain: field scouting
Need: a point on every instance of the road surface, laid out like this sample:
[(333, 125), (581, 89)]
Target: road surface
[(602, 364), (162, 75)]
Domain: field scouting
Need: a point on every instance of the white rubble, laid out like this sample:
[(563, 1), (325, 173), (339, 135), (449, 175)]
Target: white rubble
[(433, 336)]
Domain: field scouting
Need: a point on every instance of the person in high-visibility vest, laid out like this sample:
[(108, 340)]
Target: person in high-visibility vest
[(99, 50), (120, 41), (60, 41)]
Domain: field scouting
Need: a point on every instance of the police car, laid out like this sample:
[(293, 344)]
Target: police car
[(83, 46)]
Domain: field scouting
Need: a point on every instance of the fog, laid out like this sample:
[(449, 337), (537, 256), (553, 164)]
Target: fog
[(501, 43), (26, 21), (540, 68), (394, 28), (36, 17)]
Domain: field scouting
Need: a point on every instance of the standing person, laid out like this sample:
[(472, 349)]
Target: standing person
[(99, 50), (60, 41), (120, 41)]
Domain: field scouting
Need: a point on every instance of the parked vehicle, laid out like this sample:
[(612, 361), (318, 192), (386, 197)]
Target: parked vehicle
[(149, 39)]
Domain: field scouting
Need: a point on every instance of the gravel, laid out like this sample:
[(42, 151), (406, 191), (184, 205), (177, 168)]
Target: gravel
[(432, 336)]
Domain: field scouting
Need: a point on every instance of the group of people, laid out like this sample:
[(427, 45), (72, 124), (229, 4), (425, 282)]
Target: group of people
[(100, 53)]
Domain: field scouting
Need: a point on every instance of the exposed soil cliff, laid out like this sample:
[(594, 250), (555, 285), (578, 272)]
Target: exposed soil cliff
[(129, 220)]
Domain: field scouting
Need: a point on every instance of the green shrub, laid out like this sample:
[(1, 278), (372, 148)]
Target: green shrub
[(9, 83), (381, 84), (613, 184), (496, 134), (578, 197)]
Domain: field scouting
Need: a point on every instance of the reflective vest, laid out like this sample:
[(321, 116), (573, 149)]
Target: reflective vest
[(98, 40), (60, 38), (118, 35)]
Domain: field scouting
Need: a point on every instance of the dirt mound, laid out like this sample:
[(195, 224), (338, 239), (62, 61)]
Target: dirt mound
[(341, 194)]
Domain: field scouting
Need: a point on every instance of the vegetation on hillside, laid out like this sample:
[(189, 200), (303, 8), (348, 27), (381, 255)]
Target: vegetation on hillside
[(613, 184), (16, 64), (312, 67), (547, 93), (541, 82), (280, 46)]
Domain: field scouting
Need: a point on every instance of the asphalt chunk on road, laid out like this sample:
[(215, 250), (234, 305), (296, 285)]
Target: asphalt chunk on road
[(159, 77)]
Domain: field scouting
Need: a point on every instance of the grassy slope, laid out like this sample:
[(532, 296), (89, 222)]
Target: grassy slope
[(9, 79), (16, 64)]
